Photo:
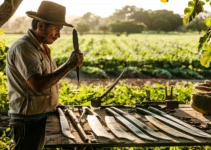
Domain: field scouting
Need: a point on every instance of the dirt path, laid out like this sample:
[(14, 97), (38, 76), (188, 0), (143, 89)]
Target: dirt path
[(131, 81)]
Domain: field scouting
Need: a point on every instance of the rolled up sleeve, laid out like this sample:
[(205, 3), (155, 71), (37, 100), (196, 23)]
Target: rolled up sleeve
[(27, 61)]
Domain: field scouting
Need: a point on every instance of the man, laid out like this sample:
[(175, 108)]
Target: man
[(33, 77)]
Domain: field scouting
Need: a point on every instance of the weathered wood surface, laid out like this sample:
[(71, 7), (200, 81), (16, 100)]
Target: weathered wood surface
[(54, 137)]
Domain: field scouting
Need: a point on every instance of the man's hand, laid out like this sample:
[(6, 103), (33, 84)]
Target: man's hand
[(76, 59)]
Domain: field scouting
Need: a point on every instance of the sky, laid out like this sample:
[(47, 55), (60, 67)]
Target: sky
[(104, 8)]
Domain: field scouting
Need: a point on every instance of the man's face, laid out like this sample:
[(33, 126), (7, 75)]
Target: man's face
[(50, 33)]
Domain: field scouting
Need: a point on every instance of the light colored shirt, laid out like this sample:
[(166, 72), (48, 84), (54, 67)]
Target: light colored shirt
[(25, 58)]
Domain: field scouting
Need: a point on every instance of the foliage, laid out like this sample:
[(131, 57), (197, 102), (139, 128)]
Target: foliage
[(5, 140), (198, 23), (127, 27), (3, 50), (146, 55), (4, 104), (3, 85), (122, 94), (94, 72), (104, 28), (161, 25), (82, 27), (194, 8), (93, 22)]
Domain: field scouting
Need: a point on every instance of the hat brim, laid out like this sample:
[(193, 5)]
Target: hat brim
[(33, 15)]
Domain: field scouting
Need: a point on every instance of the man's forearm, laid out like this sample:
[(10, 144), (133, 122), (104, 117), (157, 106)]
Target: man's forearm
[(41, 82)]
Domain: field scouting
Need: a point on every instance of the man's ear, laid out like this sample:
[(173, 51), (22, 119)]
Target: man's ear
[(41, 25)]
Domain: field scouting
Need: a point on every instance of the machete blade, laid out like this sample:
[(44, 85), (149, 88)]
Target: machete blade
[(64, 124), (97, 127), (117, 130), (169, 122), (97, 102), (168, 129), (75, 40), (130, 126), (140, 124), (179, 121), (76, 48)]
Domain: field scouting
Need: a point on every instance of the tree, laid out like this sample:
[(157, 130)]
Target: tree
[(104, 28), (161, 25), (91, 20), (82, 27), (127, 27), (124, 14), (7, 9), (142, 16), (173, 20)]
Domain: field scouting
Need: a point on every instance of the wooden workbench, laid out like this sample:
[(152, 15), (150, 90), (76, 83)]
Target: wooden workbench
[(55, 138)]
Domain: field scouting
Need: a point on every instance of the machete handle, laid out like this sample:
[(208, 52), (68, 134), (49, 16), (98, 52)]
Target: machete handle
[(78, 126), (154, 110)]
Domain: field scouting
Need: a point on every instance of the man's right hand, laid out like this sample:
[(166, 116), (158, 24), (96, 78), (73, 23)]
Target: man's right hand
[(75, 59)]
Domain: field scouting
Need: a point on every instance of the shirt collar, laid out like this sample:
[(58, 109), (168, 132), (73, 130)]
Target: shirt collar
[(33, 39)]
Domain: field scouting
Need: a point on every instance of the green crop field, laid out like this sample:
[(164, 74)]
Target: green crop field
[(145, 55)]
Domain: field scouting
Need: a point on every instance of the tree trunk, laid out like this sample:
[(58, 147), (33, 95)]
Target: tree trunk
[(7, 9)]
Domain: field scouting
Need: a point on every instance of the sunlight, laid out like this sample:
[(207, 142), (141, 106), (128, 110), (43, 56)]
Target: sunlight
[(104, 8)]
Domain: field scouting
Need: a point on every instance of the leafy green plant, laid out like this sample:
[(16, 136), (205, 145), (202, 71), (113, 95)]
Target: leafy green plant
[(5, 140), (3, 50), (122, 94), (144, 55), (94, 72), (4, 103)]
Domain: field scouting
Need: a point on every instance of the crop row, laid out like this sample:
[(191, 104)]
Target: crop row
[(145, 55)]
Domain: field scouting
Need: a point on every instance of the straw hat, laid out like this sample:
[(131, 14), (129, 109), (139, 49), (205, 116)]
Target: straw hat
[(50, 12)]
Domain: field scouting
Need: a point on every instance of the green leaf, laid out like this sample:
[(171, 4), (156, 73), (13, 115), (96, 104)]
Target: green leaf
[(188, 10), (205, 61), (194, 8), (190, 4), (164, 1), (208, 22)]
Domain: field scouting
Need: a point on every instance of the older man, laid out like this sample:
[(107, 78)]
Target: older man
[(33, 76)]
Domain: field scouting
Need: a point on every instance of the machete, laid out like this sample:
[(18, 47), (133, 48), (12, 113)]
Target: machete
[(179, 121), (116, 129), (140, 124), (97, 102), (169, 122), (168, 129), (130, 126), (86, 110), (97, 127), (74, 119), (64, 124), (76, 48)]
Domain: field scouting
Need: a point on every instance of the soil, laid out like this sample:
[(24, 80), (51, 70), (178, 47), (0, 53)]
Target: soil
[(131, 81)]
